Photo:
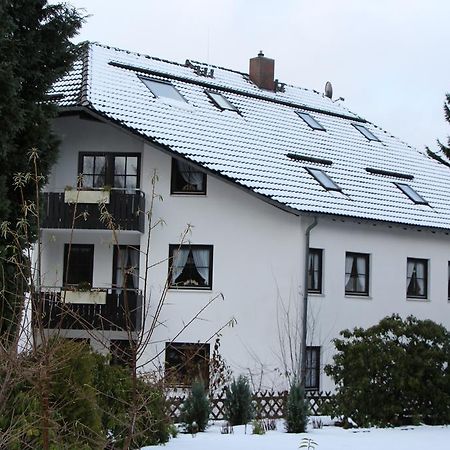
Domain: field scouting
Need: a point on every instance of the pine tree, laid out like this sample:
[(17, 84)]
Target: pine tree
[(196, 408), (238, 402), (35, 50), (297, 409), (444, 158)]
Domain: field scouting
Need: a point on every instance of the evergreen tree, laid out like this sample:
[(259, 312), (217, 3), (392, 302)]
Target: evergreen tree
[(196, 408), (238, 402), (297, 409), (35, 50), (444, 158)]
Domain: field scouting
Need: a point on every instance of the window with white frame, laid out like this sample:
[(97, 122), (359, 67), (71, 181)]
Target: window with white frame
[(315, 271), (312, 379), (417, 278), (356, 273), (190, 266)]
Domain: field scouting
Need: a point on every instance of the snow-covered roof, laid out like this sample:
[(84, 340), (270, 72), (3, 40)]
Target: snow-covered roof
[(250, 147)]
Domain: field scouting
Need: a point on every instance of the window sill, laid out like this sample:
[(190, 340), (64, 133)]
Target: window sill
[(188, 194), (418, 299), (190, 289), (359, 296), (316, 294)]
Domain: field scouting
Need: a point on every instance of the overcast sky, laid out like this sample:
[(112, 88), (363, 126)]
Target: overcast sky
[(389, 59)]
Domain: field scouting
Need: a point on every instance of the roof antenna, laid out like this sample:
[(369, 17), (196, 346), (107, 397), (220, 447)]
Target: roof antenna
[(207, 47)]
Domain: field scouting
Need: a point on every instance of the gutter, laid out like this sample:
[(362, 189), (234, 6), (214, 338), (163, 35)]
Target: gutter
[(305, 303)]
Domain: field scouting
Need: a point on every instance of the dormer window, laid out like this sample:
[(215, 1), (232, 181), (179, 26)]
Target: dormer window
[(162, 89), (411, 193), (221, 102), (324, 179), (187, 179), (365, 132), (310, 121)]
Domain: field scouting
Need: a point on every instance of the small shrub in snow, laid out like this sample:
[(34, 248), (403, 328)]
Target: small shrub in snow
[(307, 443), (258, 427), (196, 408), (238, 402), (297, 409)]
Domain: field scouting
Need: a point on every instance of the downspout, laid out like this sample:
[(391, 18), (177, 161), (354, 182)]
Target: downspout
[(305, 303)]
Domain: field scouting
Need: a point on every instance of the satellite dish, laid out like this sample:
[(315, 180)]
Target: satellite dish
[(328, 90)]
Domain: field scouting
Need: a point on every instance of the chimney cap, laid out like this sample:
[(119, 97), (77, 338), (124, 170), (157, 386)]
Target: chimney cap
[(261, 54)]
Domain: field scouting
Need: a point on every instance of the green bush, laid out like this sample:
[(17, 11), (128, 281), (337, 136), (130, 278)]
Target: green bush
[(74, 418), (238, 406), (296, 409), (89, 402), (114, 395), (393, 373), (196, 408)]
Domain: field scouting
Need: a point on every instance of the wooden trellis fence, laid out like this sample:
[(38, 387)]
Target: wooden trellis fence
[(268, 404)]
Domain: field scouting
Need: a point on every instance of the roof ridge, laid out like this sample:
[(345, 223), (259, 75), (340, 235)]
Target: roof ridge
[(345, 110), (129, 52), (214, 66)]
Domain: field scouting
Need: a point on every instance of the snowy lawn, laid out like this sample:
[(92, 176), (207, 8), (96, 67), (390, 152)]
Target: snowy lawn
[(327, 438)]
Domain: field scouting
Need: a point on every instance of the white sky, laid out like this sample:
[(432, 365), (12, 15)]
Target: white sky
[(389, 59)]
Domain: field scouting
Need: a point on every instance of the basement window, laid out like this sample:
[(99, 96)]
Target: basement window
[(312, 368), (162, 89), (310, 121), (186, 362), (411, 193), (220, 101), (323, 179), (365, 132)]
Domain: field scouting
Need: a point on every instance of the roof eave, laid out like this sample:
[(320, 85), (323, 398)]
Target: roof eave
[(98, 115)]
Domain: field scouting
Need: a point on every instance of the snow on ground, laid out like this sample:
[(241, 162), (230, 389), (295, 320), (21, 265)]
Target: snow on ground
[(327, 438)]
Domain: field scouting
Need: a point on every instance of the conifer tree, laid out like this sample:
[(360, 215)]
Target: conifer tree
[(444, 156), (35, 50)]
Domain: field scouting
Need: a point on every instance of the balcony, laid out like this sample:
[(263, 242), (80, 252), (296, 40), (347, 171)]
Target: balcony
[(127, 209), (111, 309)]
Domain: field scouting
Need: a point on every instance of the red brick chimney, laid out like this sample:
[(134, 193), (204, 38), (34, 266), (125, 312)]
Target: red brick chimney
[(262, 72)]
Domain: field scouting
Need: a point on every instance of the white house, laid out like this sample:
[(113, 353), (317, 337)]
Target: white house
[(256, 168)]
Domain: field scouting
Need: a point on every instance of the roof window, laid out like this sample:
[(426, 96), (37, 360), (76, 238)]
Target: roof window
[(162, 89), (323, 179), (220, 101), (365, 132), (310, 121), (411, 193)]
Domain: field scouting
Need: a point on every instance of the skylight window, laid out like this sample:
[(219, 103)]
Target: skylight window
[(310, 121), (324, 179), (365, 132), (221, 101), (163, 89), (411, 193)]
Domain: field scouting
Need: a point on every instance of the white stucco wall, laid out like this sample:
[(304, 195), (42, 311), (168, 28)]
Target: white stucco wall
[(258, 262)]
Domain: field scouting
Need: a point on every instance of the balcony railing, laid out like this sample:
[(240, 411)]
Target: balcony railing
[(127, 210), (120, 311)]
